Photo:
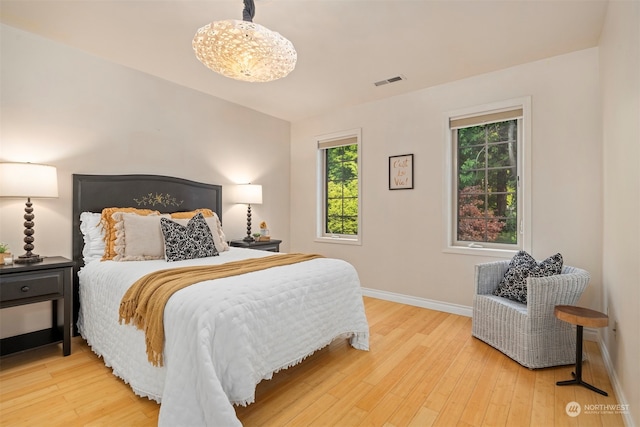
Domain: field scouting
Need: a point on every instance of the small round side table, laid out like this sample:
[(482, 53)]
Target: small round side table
[(580, 317)]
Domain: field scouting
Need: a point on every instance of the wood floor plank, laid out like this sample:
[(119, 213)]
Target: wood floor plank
[(424, 418), (53, 410), (17, 382), (396, 359), (308, 402), (501, 395), (336, 413), (378, 415), (391, 378), (440, 362), (310, 413), (26, 397), (543, 398), (565, 394), (274, 404), (465, 383), (478, 402), (521, 404), (424, 368), (416, 372)]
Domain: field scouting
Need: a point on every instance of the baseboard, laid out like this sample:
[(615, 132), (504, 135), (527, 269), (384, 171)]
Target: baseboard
[(446, 307), (622, 400), (590, 334)]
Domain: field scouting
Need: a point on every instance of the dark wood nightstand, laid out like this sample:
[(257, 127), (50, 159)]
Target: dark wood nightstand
[(272, 245), (49, 280)]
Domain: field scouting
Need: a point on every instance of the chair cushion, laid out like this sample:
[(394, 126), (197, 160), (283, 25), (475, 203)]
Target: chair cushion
[(503, 304), (522, 266)]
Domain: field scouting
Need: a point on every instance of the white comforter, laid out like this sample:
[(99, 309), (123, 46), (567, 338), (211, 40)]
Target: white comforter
[(223, 336)]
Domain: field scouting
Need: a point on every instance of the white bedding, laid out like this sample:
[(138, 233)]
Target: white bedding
[(224, 336)]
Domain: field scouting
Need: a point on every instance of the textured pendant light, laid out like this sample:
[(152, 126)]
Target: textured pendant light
[(243, 50)]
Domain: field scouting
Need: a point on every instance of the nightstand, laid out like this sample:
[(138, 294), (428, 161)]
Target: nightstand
[(272, 245), (49, 280)]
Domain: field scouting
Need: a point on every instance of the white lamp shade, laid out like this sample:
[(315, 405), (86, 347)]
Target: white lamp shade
[(28, 180), (250, 194)]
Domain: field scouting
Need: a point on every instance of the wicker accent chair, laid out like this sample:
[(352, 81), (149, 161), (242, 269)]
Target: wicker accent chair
[(528, 333)]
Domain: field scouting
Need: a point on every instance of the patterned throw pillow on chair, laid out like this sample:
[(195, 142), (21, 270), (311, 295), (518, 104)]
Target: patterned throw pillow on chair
[(187, 242), (514, 283)]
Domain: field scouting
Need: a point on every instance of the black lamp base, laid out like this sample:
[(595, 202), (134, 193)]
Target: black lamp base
[(28, 259), (249, 238)]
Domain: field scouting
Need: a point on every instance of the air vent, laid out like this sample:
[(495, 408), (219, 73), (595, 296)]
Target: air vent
[(390, 80)]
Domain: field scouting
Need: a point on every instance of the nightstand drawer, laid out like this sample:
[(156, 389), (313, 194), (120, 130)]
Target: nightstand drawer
[(32, 285)]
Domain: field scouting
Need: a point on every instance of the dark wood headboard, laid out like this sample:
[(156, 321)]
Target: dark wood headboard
[(92, 193)]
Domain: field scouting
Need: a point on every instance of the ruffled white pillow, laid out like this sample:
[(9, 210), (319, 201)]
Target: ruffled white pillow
[(93, 236)]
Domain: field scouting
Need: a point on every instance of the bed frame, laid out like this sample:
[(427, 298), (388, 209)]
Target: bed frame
[(92, 193)]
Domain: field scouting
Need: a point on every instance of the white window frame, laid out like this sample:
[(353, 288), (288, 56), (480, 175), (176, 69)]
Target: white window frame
[(321, 235), (524, 182)]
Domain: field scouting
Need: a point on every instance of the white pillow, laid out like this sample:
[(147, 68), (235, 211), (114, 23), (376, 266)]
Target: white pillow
[(224, 246), (138, 237), (93, 236)]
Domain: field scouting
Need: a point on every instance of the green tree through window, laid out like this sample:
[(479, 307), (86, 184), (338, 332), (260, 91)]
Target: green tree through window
[(488, 183), (341, 195)]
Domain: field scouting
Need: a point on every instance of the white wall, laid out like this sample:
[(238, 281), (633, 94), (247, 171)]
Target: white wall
[(82, 114), (402, 248), (620, 81)]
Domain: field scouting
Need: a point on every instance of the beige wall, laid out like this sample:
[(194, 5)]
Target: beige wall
[(402, 249), (620, 81), (63, 107)]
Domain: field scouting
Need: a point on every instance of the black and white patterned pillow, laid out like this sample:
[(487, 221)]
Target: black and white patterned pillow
[(187, 242), (514, 283)]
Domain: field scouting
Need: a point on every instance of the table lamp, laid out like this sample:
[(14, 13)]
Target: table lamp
[(19, 180), (249, 194)]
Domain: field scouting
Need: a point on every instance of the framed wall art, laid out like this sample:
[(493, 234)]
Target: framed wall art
[(401, 172)]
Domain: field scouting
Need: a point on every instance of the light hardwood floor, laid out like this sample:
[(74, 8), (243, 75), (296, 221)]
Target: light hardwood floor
[(424, 369)]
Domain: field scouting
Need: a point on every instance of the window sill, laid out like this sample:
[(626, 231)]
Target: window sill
[(338, 240), (487, 252)]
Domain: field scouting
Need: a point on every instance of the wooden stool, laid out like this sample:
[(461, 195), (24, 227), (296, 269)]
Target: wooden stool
[(580, 317)]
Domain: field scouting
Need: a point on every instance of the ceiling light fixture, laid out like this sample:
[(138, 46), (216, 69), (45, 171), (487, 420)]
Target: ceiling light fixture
[(243, 50)]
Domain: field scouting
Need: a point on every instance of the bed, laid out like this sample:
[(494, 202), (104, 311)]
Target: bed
[(221, 337)]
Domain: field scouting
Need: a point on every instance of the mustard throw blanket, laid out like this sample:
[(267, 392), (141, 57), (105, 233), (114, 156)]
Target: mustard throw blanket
[(143, 303)]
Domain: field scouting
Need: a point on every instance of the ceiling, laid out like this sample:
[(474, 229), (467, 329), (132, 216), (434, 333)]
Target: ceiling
[(343, 46)]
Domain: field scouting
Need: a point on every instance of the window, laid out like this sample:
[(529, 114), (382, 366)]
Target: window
[(339, 187), (487, 174)]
